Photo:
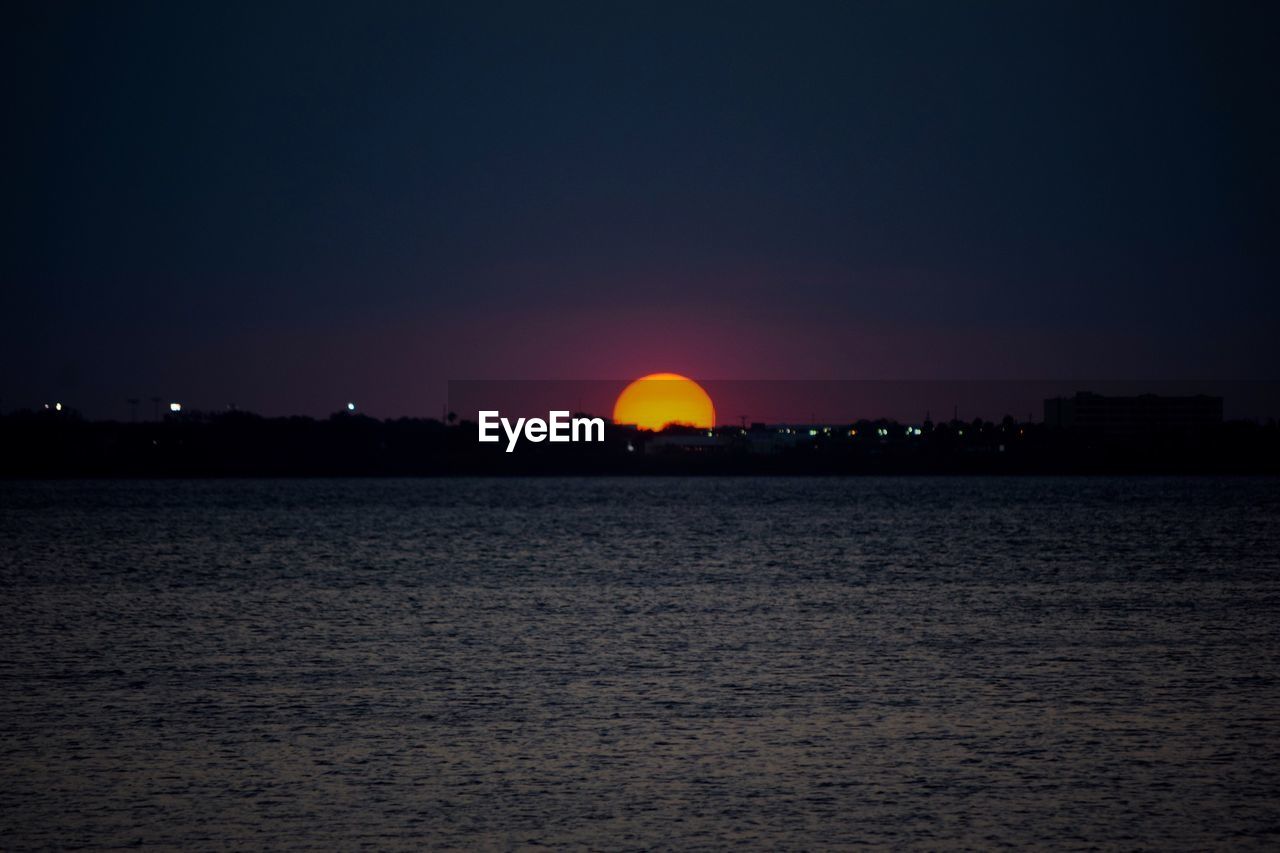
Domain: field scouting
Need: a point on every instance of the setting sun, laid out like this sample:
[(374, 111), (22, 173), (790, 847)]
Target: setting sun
[(653, 401)]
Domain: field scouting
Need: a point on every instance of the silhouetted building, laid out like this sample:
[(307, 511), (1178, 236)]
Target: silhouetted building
[(1132, 417), (769, 441), (678, 443)]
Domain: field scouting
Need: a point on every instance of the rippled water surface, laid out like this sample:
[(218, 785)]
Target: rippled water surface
[(639, 663)]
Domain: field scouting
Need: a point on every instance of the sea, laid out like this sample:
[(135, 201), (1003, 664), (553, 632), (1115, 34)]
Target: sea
[(640, 663)]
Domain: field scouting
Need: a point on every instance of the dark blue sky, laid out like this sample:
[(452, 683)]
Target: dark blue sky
[(287, 206)]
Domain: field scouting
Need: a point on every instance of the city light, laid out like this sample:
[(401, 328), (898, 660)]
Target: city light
[(57, 406), (351, 407), (175, 407)]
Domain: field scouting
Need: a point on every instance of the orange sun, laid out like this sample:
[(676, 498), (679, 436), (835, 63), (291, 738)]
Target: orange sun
[(653, 401)]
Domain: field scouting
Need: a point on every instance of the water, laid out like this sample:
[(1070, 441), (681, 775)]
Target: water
[(640, 663)]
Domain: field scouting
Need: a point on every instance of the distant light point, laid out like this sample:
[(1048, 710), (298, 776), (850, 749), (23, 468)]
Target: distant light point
[(57, 406), (351, 407), (175, 407)]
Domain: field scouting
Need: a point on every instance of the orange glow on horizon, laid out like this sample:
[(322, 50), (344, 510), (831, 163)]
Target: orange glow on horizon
[(651, 402)]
